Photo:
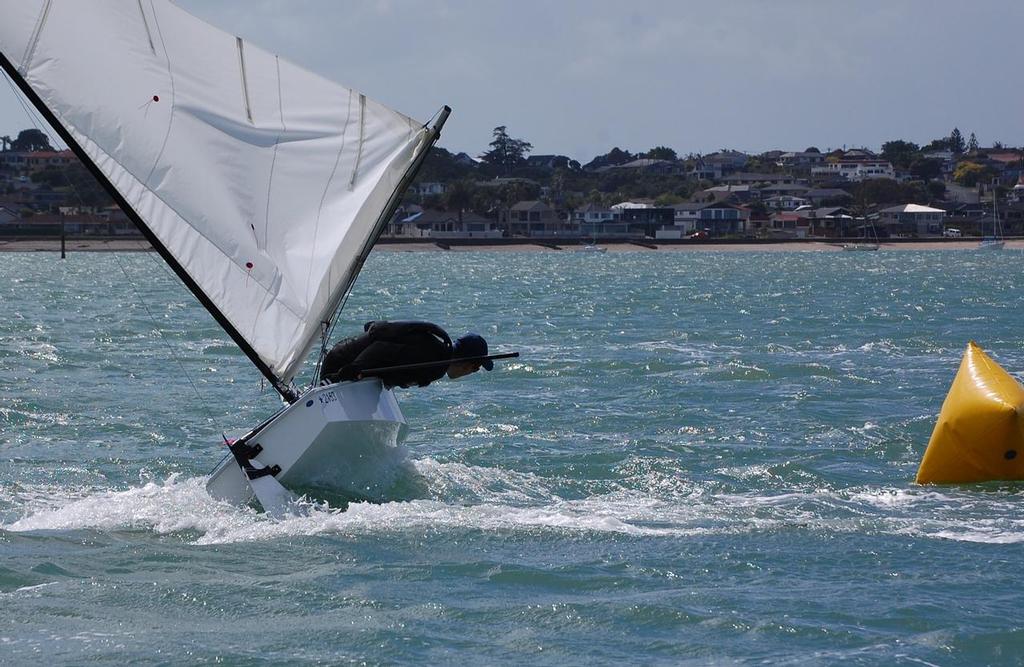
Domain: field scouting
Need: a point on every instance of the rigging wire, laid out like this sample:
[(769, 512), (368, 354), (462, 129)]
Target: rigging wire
[(36, 120)]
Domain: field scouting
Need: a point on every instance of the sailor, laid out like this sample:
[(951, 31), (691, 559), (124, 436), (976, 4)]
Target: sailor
[(384, 344)]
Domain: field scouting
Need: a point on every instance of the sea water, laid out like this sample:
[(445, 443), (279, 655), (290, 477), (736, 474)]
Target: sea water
[(699, 458)]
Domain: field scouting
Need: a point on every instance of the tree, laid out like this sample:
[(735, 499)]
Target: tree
[(972, 143), (506, 152), (937, 189), (956, 141), (31, 140), (459, 196), (613, 157), (971, 173), (661, 153), (6, 141), (900, 153), (925, 169)]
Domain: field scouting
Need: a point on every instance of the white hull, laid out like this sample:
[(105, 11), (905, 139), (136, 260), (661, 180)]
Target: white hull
[(860, 246), (991, 245), (343, 439), (592, 248)]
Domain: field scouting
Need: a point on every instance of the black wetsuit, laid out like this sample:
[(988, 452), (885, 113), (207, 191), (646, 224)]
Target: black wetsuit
[(391, 344)]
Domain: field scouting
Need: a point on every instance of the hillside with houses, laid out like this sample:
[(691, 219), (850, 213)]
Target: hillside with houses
[(900, 191)]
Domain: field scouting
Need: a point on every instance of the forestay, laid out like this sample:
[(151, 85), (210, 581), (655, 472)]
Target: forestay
[(264, 181)]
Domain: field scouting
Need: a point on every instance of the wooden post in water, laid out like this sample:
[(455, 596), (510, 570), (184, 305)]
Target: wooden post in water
[(63, 255)]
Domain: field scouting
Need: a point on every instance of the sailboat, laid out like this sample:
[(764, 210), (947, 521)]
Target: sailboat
[(262, 185), (866, 243), (994, 242)]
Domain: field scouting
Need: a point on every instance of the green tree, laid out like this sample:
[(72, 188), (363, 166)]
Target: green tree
[(900, 153), (613, 157), (925, 169), (937, 189), (877, 191), (31, 140), (661, 153), (459, 196), (972, 143), (506, 152), (956, 141)]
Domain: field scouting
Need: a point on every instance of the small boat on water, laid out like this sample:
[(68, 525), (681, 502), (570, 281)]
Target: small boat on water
[(991, 243), (262, 185), (979, 435), (868, 242), (994, 242), (591, 247)]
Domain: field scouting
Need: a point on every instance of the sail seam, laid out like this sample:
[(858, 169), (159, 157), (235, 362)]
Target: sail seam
[(145, 24), (277, 145), (245, 82), (30, 50), (170, 77), (270, 189), (327, 188), (362, 138)]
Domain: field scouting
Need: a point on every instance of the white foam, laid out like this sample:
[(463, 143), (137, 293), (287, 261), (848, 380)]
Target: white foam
[(474, 498)]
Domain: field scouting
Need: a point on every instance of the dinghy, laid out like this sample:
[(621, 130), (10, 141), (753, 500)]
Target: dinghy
[(979, 436), (262, 185)]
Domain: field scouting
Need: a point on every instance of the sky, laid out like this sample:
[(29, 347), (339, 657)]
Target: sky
[(577, 77)]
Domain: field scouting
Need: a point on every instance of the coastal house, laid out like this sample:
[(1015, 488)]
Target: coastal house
[(26, 163), (646, 220), (426, 189), (715, 166), (912, 220), (854, 169), (946, 158), (416, 222), (821, 196), (834, 221), (773, 189), (754, 178), (594, 220), (647, 165), (716, 218), (800, 159), (533, 218), (785, 202), (737, 194)]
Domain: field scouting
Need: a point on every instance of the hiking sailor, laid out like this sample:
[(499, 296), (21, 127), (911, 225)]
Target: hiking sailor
[(387, 344)]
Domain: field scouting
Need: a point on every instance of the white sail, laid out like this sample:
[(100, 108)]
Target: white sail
[(264, 181)]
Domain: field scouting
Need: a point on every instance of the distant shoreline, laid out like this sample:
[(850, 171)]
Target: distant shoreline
[(795, 245)]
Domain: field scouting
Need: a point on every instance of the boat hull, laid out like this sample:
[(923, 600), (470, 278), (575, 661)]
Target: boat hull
[(338, 441)]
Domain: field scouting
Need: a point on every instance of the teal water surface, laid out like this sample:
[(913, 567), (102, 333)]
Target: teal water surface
[(700, 458)]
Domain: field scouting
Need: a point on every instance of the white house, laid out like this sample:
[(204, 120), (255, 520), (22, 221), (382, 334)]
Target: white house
[(913, 219), (856, 169)]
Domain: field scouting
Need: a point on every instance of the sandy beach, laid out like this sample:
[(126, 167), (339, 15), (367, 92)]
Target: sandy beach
[(136, 245)]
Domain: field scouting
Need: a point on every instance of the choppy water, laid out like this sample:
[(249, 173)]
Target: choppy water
[(700, 458)]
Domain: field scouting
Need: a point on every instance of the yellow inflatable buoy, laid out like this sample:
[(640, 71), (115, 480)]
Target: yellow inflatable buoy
[(979, 436)]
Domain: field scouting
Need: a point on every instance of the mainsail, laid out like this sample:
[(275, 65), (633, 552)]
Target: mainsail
[(261, 183)]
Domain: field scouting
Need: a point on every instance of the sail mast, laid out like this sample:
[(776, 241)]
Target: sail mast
[(286, 392), (387, 212)]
